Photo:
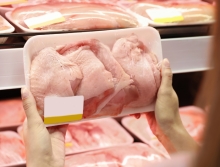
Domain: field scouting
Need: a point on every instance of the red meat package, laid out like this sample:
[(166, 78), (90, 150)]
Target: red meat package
[(193, 119), (11, 113), (12, 150), (135, 155), (93, 135)]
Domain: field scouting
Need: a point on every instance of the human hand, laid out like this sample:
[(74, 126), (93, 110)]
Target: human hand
[(165, 122), (45, 147)]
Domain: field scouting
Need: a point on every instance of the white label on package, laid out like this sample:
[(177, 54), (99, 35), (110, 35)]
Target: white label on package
[(11, 2), (166, 15), (60, 110), (44, 20)]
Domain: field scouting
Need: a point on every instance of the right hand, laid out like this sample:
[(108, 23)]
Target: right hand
[(165, 122)]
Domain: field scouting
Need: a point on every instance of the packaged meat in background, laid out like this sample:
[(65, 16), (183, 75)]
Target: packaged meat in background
[(116, 72), (71, 16), (12, 150), (168, 13), (93, 135), (134, 155), (193, 119), (11, 113), (5, 27)]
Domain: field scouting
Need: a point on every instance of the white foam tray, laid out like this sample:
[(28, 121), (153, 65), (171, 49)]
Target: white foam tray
[(185, 54)]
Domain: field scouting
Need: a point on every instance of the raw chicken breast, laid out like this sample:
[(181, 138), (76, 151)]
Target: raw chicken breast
[(123, 93), (141, 65), (57, 77), (97, 83), (11, 112), (79, 16), (135, 155), (192, 11), (12, 149)]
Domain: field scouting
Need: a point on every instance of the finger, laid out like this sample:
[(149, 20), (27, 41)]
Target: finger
[(60, 128), (167, 75), (30, 108)]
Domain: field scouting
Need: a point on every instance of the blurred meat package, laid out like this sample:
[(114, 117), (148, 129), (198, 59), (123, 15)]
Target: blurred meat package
[(170, 12), (193, 119), (11, 112), (76, 16), (134, 155), (116, 72), (12, 150), (93, 135)]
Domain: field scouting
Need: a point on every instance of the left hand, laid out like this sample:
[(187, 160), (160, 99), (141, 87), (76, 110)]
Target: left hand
[(45, 147)]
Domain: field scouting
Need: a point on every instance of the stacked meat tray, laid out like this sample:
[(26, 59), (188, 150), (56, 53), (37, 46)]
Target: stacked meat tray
[(123, 142)]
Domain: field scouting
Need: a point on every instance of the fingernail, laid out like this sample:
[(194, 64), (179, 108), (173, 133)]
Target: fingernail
[(166, 63), (24, 93)]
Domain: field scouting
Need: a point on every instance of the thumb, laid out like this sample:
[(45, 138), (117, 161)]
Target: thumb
[(30, 108), (167, 75)]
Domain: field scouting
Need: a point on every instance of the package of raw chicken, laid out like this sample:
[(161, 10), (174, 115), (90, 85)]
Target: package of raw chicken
[(11, 113), (72, 16), (93, 135), (5, 27), (89, 75), (173, 13), (12, 150), (134, 155), (193, 119)]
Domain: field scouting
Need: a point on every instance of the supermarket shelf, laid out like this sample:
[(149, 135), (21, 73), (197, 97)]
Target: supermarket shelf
[(185, 55)]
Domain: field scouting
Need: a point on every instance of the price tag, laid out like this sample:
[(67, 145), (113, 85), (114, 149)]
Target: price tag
[(60, 110), (11, 2), (166, 15), (44, 20)]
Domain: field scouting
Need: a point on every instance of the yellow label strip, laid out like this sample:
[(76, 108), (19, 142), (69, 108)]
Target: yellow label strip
[(169, 20), (62, 119), (11, 2)]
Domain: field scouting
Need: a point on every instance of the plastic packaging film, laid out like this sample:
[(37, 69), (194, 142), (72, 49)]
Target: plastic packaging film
[(135, 155), (93, 135), (12, 150), (8, 110), (115, 71), (193, 119), (168, 12), (77, 16)]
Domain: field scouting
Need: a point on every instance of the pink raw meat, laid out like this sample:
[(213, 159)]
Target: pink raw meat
[(94, 89), (141, 65), (124, 91), (97, 134), (11, 112), (57, 77), (135, 155), (12, 149), (79, 16), (192, 10)]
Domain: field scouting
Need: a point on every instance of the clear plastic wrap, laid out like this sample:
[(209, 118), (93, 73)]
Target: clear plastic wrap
[(135, 155), (11, 113), (5, 27), (115, 71), (93, 135), (193, 119), (12, 150), (78, 16), (192, 11)]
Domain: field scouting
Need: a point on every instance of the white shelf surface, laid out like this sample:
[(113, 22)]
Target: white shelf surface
[(185, 55)]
